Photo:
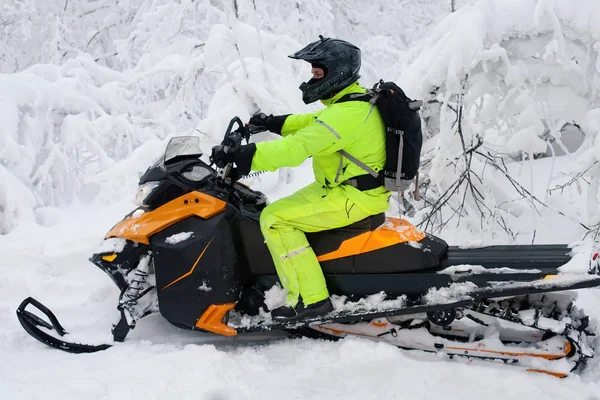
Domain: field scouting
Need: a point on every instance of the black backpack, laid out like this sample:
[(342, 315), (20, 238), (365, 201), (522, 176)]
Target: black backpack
[(403, 138)]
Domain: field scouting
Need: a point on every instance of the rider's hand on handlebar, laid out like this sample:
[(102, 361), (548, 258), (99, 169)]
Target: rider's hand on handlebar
[(225, 153), (222, 155), (261, 119), (263, 122), (259, 123), (254, 129)]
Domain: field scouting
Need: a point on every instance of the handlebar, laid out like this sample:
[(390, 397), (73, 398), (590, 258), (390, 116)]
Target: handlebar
[(232, 140), (233, 121)]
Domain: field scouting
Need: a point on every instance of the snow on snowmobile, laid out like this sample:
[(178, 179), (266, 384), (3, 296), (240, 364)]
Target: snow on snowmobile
[(193, 251)]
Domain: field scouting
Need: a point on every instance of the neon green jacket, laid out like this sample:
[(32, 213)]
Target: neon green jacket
[(320, 135)]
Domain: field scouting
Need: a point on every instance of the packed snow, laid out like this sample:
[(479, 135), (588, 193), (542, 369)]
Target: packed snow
[(91, 92), (179, 237), (464, 270), (275, 297), (453, 293), (112, 245), (204, 287)]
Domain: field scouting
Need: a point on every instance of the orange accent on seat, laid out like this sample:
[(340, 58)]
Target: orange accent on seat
[(566, 350), (392, 232), (212, 320), (140, 229), (348, 247), (543, 371), (191, 269)]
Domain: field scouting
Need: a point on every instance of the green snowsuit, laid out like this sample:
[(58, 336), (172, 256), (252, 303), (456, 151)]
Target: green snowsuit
[(353, 126)]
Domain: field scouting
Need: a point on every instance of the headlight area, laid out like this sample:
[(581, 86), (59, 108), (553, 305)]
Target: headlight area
[(144, 191)]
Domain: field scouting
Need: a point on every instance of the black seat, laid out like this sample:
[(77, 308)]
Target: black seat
[(327, 241), (259, 260), (402, 257)]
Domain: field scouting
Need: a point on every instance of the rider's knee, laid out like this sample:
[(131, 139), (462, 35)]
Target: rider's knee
[(267, 218)]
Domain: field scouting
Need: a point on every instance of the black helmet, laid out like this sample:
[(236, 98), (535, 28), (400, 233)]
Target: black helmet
[(341, 62)]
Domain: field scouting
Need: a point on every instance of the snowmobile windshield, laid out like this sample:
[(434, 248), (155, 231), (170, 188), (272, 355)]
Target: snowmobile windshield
[(179, 146)]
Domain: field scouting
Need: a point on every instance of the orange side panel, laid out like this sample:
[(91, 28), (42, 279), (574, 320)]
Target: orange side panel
[(140, 229), (191, 269), (394, 231), (212, 320)]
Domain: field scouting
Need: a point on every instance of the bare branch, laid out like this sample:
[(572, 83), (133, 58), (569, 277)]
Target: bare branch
[(573, 179), (524, 192)]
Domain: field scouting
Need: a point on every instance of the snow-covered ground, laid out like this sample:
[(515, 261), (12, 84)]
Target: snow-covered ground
[(88, 100)]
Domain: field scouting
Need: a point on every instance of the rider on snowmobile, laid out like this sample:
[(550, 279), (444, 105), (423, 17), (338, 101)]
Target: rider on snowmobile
[(342, 194)]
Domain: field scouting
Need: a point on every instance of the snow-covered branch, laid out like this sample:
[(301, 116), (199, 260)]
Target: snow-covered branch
[(532, 92)]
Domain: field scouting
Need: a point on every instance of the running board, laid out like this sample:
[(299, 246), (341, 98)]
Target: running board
[(343, 317), (540, 256), (498, 290)]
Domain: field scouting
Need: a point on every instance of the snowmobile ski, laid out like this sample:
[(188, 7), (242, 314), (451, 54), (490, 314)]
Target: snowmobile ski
[(31, 323)]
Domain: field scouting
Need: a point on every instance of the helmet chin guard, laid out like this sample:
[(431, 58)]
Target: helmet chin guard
[(341, 61)]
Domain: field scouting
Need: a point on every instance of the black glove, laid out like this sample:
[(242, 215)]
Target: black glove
[(242, 156), (272, 123), (222, 155)]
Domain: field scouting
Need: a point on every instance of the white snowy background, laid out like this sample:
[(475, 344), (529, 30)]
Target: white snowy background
[(91, 91)]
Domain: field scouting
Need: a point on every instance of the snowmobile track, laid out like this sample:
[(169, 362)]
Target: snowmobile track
[(358, 315)]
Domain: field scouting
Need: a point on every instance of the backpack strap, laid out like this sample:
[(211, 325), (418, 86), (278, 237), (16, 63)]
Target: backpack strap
[(344, 153), (370, 97), (367, 97), (399, 167), (364, 182), (361, 164)]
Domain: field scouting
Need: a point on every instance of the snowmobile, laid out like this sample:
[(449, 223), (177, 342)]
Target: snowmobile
[(193, 251)]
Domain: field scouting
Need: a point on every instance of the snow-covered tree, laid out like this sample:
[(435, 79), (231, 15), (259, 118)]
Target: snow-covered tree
[(88, 96), (505, 82)]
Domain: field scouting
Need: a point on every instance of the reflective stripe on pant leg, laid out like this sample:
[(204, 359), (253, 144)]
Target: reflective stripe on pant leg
[(299, 270), (284, 267), (313, 287), (283, 224), (311, 280), (295, 252)]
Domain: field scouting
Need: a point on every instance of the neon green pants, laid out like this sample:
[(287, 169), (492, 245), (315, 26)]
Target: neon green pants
[(283, 223)]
